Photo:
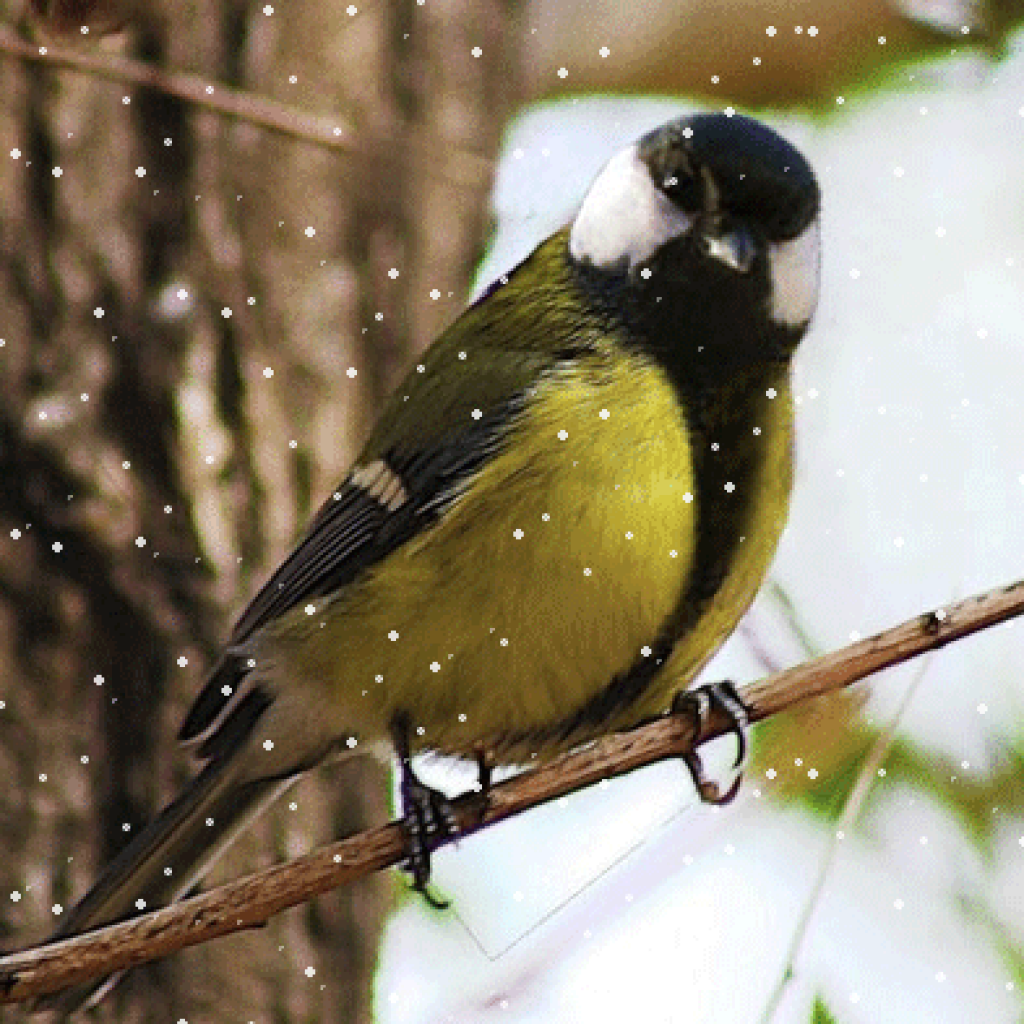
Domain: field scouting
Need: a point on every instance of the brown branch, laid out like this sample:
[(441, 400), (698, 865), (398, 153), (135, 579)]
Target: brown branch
[(252, 900), (459, 165)]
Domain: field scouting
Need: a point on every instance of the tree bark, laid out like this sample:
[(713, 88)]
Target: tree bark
[(183, 301)]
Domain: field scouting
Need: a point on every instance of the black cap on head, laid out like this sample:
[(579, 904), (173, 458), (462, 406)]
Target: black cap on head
[(733, 162)]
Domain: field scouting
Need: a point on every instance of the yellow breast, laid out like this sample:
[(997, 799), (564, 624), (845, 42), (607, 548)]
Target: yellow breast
[(547, 578), (544, 580)]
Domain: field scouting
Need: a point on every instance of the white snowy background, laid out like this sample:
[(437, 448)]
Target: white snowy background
[(628, 902)]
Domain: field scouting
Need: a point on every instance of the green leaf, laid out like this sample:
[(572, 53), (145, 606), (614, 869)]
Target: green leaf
[(820, 1013)]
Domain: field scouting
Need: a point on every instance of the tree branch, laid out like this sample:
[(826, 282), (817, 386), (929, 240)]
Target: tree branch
[(250, 901), (437, 156)]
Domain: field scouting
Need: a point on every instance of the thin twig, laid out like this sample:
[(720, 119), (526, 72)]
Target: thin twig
[(851, 812), (252, 900), (334, 132)]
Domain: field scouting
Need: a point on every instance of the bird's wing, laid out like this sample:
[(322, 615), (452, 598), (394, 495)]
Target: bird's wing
[(403, 483), (378, 507)]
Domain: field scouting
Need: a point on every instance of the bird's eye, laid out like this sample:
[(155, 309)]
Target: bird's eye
[(683, 189)]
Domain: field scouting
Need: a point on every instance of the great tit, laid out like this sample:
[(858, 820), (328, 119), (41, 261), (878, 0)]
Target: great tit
[(561, 515)]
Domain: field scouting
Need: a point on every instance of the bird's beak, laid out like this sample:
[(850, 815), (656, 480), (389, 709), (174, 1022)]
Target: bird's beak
[(733, 246)]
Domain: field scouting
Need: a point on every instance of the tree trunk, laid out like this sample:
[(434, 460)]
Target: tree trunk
[(198, 324)]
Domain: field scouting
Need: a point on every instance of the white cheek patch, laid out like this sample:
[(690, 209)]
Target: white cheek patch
[(795, 268), (624, 218)]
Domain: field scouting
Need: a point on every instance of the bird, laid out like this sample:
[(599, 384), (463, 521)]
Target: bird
[(560, 516)]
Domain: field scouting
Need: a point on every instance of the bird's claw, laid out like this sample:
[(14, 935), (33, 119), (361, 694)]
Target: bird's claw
[(429, 820), (697, 705)]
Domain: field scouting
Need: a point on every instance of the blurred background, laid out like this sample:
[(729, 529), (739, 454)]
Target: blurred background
[(225, 230)]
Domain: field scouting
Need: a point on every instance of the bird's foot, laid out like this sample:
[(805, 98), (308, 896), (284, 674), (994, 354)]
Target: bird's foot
[(428, 817), (696, 705), (429, 820)]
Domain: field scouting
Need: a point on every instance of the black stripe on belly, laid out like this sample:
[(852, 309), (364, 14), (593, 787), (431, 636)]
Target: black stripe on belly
[(725, 450)]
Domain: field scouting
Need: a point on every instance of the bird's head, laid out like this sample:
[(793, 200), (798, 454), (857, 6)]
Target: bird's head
[(707, 230)]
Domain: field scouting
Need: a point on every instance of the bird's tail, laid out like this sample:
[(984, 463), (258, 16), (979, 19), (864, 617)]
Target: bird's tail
[(166, 860)]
